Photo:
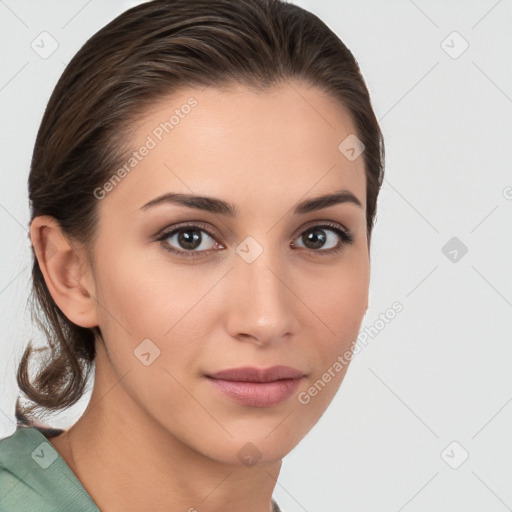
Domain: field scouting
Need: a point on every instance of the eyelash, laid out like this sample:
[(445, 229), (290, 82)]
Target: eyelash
[(344, 234)]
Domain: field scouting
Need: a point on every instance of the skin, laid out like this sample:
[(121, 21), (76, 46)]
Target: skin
[(164, 428)]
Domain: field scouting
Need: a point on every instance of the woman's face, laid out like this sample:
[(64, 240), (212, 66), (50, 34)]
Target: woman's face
[(259, 288)]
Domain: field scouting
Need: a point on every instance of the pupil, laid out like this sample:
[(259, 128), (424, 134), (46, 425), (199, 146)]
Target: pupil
[(189, 242), (318, 240)]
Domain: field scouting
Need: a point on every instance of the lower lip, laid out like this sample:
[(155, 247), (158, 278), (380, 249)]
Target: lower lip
[(257, 394)]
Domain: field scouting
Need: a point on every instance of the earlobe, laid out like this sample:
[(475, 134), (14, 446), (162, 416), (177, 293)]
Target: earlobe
[(64, 271)]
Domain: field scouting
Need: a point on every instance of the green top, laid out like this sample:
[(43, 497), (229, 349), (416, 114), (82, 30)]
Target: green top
[(35, 478)]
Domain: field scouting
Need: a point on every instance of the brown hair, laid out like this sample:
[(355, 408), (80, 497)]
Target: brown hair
[(143, 55)]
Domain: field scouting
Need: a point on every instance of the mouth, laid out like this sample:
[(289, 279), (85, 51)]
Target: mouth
[(255, 387)]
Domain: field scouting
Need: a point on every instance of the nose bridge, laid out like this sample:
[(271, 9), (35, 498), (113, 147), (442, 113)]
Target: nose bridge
[(262, 300)]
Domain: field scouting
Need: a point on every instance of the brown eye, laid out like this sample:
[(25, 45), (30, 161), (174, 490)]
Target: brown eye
[(189, 240), (325, 238)]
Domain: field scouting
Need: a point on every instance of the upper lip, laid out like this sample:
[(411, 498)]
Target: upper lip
[(252, 374)]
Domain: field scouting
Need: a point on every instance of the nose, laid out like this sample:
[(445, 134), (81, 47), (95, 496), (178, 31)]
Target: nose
[(262, 305)]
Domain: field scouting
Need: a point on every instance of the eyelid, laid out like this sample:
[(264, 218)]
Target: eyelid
[(169, 229), (322, 223)]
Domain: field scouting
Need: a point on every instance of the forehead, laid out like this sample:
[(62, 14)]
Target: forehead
[(241, 143)]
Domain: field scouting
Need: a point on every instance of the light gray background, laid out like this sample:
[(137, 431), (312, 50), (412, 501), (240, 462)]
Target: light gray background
[(440, 371)]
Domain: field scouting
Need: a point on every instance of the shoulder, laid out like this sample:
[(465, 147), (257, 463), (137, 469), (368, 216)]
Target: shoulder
[(33, 477), (15, 470), (24, 459)]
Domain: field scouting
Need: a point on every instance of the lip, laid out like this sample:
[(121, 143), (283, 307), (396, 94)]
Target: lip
[(253, 374), (256, 387)]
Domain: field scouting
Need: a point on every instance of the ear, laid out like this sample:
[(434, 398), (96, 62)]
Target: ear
[(66, 271)]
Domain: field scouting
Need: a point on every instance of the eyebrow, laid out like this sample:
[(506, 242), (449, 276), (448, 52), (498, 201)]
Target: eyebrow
[(218, 206)]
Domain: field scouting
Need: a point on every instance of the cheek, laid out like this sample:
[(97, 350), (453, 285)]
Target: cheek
[(156, 300), (339, 302), (344, 303), (343, 294)]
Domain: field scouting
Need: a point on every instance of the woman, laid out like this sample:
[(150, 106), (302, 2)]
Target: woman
[(203, 190)]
